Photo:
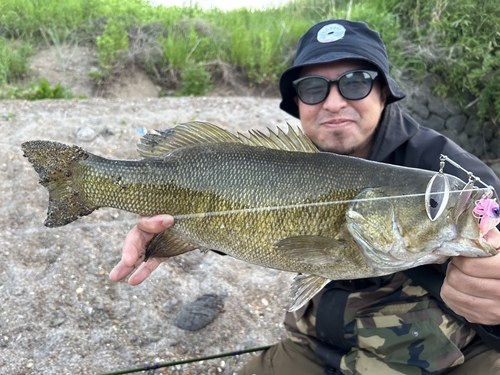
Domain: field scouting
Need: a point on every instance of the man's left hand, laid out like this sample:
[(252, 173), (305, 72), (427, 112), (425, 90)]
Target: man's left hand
[(472, 285)]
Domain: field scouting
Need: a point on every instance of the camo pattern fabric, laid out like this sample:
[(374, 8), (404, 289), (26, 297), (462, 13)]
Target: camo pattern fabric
[(397, 329)]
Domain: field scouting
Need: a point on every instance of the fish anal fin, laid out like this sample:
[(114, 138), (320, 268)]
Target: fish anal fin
[(311, 249), (305, 287), (168, 244)]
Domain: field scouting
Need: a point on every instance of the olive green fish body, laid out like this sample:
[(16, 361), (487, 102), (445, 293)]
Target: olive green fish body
[(275, 202)]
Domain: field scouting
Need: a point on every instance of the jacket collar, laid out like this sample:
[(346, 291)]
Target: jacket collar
[(395, 128)]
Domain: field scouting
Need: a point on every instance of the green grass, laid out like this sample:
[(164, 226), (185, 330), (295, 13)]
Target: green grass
[(459, 41)]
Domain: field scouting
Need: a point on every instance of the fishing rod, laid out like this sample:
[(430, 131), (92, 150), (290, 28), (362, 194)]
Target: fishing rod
[(191, 360)]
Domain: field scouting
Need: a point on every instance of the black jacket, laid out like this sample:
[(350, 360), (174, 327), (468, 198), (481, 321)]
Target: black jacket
[(400, 140)]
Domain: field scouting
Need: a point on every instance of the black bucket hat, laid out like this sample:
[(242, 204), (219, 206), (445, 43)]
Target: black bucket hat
[(335, 40)]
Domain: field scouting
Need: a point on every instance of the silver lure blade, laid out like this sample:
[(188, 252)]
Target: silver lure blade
[(437, 195)]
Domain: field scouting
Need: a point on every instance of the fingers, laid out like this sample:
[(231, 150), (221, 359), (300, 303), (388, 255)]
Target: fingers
[(471, 285), (474, 309), (485, 268), (144, 270), (134, 249), (472, 288), (493, 238), (154, 224)]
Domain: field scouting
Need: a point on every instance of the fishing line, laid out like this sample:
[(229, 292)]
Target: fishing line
[(302, 205), (191, 360), (132, 222)]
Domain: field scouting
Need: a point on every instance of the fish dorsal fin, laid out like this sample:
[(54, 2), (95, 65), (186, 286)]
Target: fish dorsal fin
[(292, 140), (197, 132), (183, 135)]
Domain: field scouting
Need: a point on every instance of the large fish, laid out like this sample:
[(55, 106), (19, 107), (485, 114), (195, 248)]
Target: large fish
[(271, 200)]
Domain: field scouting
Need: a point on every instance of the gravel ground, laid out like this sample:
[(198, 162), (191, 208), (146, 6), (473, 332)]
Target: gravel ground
[(60, 313)]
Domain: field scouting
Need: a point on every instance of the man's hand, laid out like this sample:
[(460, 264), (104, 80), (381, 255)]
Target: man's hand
[(472, 285), (134, 249)]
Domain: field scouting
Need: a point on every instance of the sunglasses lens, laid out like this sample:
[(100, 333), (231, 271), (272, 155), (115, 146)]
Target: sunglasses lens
[(312, 90), (352, 86), (355, 85)]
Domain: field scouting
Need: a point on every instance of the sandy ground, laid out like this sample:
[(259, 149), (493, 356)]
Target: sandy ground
[(60, 313)]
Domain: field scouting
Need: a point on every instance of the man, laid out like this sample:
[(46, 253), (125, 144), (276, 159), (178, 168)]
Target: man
[(341, 90)]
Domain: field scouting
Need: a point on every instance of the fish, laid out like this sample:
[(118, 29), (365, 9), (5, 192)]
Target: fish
[(272, 200)]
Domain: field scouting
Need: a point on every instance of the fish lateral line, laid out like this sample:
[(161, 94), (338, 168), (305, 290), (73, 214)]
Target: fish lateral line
[(305, 205)]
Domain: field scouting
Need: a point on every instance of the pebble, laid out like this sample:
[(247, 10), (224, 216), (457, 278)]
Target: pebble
[(86, 134), (200, 312)]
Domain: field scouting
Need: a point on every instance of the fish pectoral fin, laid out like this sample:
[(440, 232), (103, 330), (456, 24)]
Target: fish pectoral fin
[(310, 249), (305, 287), (168, 244)]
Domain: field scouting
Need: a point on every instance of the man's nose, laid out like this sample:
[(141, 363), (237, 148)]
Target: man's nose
[(334, 101)]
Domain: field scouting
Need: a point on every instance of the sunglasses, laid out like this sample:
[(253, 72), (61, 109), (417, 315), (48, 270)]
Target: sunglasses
[(355, 85)]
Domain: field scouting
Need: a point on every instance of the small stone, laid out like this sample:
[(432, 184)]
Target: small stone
[(86, 134), (200, 312), (79, 291), (29, 365)]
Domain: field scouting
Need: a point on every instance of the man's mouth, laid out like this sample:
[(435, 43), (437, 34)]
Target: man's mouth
[(337, 123)]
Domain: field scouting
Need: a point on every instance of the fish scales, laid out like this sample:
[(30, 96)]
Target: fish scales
[(290, 209)]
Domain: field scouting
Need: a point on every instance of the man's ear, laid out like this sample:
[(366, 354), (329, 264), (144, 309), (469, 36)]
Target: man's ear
[(296, 100)]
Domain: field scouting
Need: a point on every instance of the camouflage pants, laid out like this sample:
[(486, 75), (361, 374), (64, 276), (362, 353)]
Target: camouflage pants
[(290, 358)]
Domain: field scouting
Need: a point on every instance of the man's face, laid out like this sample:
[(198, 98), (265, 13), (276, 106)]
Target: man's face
[(337, 124)]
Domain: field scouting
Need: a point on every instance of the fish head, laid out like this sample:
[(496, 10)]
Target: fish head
[(393, 230)]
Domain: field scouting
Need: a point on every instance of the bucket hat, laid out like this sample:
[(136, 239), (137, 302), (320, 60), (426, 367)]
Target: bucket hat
[(336, 40)]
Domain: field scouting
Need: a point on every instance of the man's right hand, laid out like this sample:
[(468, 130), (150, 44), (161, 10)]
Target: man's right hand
[(134, 249)]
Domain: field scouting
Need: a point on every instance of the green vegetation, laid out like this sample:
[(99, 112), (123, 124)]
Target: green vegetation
[(40, 90), (13, 60), (188, 49), (459, 42)]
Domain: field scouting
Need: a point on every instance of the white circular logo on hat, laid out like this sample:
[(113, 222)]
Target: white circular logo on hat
[(331, 33)]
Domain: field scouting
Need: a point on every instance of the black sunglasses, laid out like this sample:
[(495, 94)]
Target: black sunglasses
[(354, 85)]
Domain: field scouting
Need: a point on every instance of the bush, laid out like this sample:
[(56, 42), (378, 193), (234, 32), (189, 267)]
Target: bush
[(462, 43), (38, 91), (14, 60), (195, 80), (112, 44)]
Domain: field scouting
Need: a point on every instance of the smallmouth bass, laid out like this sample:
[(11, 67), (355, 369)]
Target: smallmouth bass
[(272, 200)]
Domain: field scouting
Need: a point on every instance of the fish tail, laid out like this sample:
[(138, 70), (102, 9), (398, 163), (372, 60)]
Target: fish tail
[(57, 165)]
